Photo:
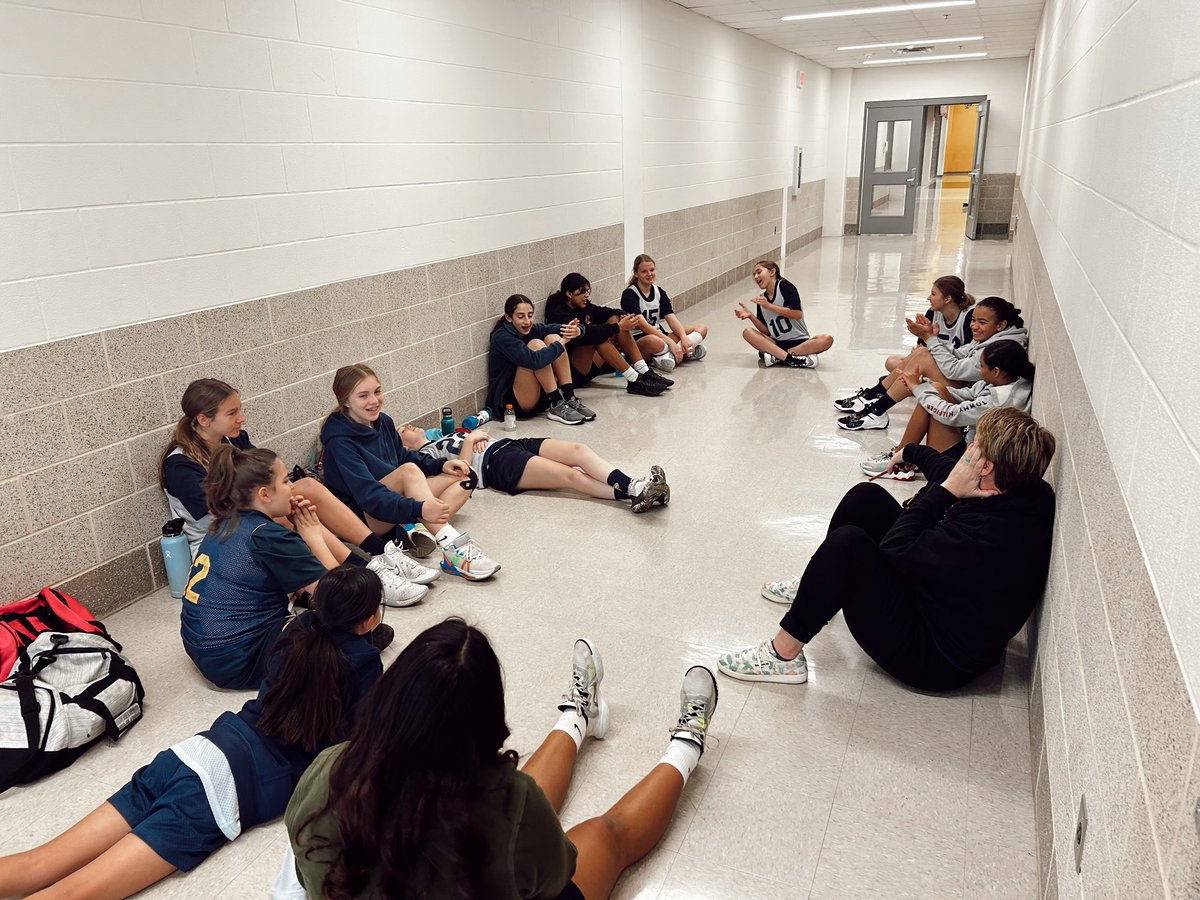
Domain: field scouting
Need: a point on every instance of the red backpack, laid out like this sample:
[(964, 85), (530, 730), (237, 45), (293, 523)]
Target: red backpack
[(48, 610)]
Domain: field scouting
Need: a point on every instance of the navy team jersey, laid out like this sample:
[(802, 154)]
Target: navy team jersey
[(239, 586), (655, 308), (780, 327)]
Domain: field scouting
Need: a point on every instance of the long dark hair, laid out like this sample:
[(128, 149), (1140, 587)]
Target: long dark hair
[(234, 475), (1009, 357), (510, 306), (307, 703), (571, 283), (203, 397), (401, 790), (1005, 311)]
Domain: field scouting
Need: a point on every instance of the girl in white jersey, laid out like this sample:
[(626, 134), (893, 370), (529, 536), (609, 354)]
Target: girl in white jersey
[(668, 342), (779, 333)]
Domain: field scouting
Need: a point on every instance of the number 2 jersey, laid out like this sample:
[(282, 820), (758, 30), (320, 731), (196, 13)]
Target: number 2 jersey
[(779, 326)]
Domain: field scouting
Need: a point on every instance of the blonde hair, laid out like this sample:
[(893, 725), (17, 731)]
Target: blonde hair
[(345, 380), (1018, 447), (203, 397), (637, 264)]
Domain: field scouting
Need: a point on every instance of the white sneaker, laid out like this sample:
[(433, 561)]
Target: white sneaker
[(397, 590), (864, 422), (587, 671), (464, 558), (699, 352), (697, 703), (873, 465), (781, 591), (664, 360), (407, 567)]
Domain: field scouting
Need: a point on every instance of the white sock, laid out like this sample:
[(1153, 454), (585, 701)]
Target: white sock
[(575, 724), (446, 535), (630, 375), (641, 367), (683, 754), (695, 338)]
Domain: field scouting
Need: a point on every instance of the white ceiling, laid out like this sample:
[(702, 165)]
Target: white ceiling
[(1008, 26)]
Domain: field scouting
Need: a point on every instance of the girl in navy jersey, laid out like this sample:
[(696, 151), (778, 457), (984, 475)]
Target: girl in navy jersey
[(666, 339), (204, 791), (779, 333)]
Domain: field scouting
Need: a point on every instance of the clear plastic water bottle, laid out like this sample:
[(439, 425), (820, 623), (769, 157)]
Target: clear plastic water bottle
[(177, 556), (510, 418), (447, 420)]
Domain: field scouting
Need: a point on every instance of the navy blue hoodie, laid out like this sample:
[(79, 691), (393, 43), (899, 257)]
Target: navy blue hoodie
[(510, 350), (357, 456)]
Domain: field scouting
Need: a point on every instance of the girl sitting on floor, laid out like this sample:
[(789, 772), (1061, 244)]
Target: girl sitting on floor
[(368, 468), (204, 791), (424, 801), (667, 340), (779, 333)]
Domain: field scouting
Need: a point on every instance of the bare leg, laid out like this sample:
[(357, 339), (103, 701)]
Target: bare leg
[(572, 453), (544, 474), (121, 871), (582, 357), (561, 365), (408, 481), (651, 344), (333, 513), (763, 344), (528, 386), (629, 347), (894, 362), (818, 343), (917, 427), (942, 437), (552, 765), (610, 843), (339, 550), (611, 355), (449, 489), (702, 330)]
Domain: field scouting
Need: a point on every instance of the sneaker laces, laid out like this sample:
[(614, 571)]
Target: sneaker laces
[(691, 722), (579, 697)]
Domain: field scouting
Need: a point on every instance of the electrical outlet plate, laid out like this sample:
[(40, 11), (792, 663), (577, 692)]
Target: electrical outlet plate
[(1080, 834)]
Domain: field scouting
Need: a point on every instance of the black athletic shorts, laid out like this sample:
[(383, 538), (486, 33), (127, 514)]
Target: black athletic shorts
[(505, 463), (571, 892), (543, 404), (788, 345), (579, 378)]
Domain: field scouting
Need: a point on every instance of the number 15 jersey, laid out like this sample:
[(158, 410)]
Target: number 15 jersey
[(780, 327)]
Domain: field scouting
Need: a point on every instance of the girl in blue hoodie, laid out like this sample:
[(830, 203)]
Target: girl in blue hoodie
[(368, 469)]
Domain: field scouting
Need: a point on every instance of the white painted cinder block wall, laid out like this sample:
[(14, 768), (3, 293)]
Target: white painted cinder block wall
[(1108, 177), (159, 157)]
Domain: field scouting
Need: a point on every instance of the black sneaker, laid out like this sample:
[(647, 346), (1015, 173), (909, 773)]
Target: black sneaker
[(655, 378), (381, 636), (644, 387)]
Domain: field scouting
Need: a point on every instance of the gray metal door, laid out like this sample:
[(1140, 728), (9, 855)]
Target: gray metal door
[(974, 197), (892, 140)]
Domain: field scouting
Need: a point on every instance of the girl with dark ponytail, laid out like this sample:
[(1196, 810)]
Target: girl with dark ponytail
[(236, 600), (204, 791)]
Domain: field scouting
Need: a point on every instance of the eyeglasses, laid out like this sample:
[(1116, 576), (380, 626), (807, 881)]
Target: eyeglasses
[(582, 291)]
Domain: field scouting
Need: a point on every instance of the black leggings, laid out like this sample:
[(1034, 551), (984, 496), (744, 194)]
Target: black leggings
[(848, 572)]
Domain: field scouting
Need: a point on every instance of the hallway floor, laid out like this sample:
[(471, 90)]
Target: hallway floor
[(849, 786)]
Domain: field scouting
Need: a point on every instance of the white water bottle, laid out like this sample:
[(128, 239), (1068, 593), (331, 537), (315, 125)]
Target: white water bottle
[(510, 418)]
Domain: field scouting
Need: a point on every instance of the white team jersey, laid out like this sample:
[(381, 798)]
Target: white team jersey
[(956, 334), (779, 326), (450, 446), (650, 305)]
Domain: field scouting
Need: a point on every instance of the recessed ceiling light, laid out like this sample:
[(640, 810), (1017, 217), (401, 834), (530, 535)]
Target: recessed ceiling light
[(914, 43), (892, 62), (870, 10)]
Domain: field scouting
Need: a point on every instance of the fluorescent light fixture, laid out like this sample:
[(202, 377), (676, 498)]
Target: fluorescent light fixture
[(871, 10), (912, 59), (918, 42)]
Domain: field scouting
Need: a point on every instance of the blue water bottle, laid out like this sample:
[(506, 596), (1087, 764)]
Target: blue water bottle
[(447, 420), (177, 557)]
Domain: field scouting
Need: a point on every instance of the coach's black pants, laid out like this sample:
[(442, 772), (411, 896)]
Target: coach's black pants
[(848, 572)]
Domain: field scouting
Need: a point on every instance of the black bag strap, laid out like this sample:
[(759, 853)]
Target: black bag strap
[(27, 695), (100, 711)]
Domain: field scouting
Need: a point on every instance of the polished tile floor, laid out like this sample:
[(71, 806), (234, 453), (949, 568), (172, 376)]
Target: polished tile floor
[(848, 787)]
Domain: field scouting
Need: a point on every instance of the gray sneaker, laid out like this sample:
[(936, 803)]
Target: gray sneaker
[(576, 404), (564, 413), (699, 352), (697, 703)]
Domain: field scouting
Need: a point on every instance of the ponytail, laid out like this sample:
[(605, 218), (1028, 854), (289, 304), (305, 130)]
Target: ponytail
[(1005, 311), (203, 397), (510, 306), (952, 287), (1009, 357), (307, 702), (234, 476)]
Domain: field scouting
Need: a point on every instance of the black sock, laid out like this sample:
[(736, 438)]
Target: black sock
[(875, 391), (373, 544), (880, 406), (619, 482), (555, 397), (568, 391), (355, 560)]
